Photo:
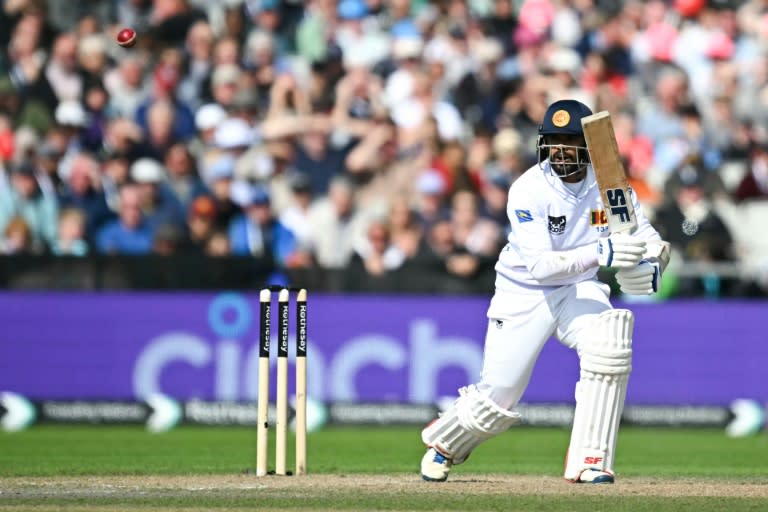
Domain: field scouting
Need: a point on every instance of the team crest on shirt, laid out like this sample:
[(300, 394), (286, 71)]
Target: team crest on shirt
[(599, 220), (557, 225), (523, 216)]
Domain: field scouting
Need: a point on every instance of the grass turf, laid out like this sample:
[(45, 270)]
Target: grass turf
[(100, 451)]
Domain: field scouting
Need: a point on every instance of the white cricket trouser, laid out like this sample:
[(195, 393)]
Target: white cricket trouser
[(521, 322)]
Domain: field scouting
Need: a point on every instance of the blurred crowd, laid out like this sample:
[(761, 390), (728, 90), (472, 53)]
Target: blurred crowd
[(372, 135)]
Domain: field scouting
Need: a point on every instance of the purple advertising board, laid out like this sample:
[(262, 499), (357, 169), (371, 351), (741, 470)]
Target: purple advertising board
[(361, 348)]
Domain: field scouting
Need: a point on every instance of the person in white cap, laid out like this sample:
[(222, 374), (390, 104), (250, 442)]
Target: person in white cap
[(207, 119), (158, 202)]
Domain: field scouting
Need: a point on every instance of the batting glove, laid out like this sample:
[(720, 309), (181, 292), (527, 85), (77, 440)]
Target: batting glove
[(644, 279), (620, 250)]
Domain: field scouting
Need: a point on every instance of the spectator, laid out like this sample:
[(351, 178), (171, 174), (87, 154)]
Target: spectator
[(375, 169), (207, 120), (17, 238), (404, 229), (165, 80), (65, 15), (7, 142), (26, 198), (439, 265), (695, 231), (478, 92), (182, 179), (199, 50), (262, 64), (96, 102), (23, 74), (219, 178), (167, 239), (71, 234), (71, 120), (431, 196), (115, 172), (335, 226), (218, 245), (170, 21), (509, 159), (125, 85), (374, 261), (123, 138), (225, 80), (494, 200), (268, 15), (410, 114), (692, 172), (46, 158), (450, 163), (129, 233), (62, 70), (257, 233), (754, 184), (234, 137), (297, 216), (661, 121), (161, 118), (92, 57), (201, 223), (158, 203), (83, 191), (354, 36), (472, 233)]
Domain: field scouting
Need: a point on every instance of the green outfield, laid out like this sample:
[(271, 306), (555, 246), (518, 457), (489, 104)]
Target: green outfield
[(195, 468)]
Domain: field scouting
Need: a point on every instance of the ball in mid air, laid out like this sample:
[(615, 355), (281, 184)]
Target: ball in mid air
[(126, 37)]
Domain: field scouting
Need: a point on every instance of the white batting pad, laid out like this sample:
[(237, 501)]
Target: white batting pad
[(606, 362), (471, 419)]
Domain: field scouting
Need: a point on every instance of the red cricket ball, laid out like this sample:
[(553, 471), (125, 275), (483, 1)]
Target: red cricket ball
[(126, 37)]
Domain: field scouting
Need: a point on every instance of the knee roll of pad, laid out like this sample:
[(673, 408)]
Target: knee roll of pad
[(472, 419), (610, 350), (479, 414)]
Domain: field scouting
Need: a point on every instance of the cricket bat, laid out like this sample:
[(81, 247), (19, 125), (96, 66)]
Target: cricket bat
[(609, 172)]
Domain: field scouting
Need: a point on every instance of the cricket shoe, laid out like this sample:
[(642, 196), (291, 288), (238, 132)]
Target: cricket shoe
[(594, 476), (435, 466)]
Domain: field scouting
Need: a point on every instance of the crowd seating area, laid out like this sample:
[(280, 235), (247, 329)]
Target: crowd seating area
[(363, 144)]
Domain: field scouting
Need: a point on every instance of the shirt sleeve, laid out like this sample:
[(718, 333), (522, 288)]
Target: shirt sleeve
[(528, 228), (552, 265)]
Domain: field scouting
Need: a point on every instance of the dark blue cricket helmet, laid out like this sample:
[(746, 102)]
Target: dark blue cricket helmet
[(564, 118)]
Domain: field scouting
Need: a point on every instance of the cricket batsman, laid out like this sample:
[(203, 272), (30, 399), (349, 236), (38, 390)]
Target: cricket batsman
[(546, 285)]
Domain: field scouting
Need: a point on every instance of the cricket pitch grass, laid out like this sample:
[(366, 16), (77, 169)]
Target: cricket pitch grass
[(191, 468)]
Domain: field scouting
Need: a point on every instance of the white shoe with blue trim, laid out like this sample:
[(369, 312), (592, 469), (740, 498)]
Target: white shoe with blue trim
[(435, 466), (594, 476)]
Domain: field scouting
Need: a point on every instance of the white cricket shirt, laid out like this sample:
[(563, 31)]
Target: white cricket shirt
[(554, 230)]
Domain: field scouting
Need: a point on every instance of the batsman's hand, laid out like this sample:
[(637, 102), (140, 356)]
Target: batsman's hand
[(643, 279), (620, 250)]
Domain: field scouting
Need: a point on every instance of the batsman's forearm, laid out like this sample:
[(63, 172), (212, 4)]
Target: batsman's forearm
[(549, 265)]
